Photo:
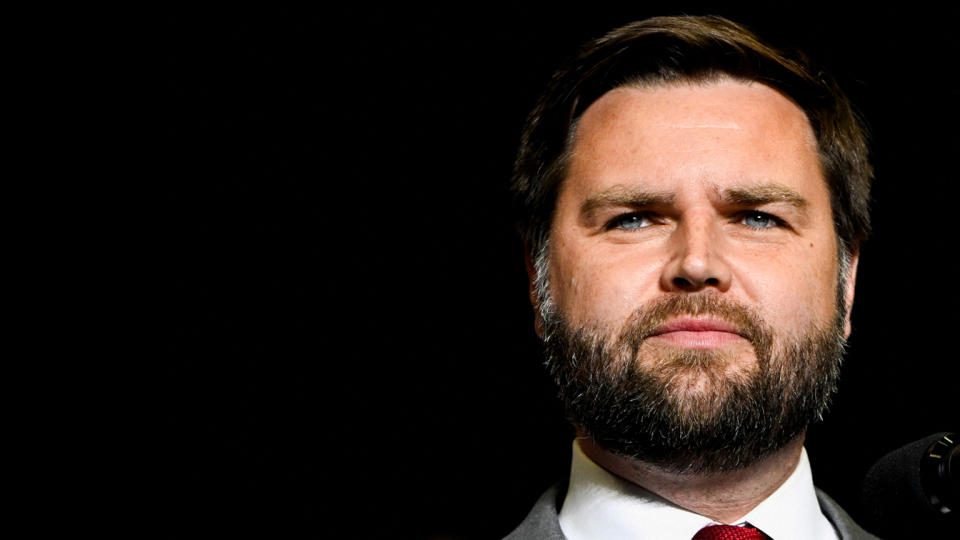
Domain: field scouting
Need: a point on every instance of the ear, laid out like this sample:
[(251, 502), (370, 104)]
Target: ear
[(848, 297), (534, 301)]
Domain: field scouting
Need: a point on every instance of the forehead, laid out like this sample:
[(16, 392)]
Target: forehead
[(720, 132)]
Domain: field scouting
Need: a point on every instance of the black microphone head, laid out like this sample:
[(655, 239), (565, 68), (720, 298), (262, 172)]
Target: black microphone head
[(914, 486)]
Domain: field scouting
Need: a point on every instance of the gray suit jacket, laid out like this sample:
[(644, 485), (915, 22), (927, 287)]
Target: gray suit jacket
[(543, 522)]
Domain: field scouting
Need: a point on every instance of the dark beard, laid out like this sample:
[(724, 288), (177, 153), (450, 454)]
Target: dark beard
[(643, 406)]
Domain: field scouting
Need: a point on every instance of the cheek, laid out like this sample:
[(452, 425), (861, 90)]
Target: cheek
[(599, 287), (794, 291)]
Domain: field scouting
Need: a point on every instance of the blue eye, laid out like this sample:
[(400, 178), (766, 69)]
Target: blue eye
[(759, 220), (630, 222)]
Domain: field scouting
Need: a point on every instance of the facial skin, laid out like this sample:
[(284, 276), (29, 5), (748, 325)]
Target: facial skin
[(707, 192), (693, 144)]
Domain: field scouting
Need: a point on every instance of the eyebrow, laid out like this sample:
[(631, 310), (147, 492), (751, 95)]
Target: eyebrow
[(763, 194), (625, 196), (636, 197)]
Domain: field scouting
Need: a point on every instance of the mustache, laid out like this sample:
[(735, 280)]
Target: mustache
[(645, 320)]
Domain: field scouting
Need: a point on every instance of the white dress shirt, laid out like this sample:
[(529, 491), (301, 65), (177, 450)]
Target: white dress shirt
[(601, 505)]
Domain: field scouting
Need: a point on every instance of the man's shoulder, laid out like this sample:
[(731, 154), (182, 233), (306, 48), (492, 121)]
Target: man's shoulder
[(543, 521), (842, 522)]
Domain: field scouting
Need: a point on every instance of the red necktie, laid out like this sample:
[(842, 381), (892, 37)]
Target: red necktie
[(729, 532)]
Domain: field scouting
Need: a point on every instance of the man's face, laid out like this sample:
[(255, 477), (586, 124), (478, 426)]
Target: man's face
[(693, 255)]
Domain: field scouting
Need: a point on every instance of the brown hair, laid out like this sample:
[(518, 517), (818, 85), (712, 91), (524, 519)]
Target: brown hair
[(664, 50)]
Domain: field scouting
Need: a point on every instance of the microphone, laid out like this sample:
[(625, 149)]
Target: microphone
[(914, 486)]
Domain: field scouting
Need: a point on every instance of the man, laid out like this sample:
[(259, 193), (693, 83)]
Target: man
[(692, 203)]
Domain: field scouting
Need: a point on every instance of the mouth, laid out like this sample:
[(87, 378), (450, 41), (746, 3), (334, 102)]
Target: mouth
[(697, 333)]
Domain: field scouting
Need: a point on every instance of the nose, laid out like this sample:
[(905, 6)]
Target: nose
[(697, 260)]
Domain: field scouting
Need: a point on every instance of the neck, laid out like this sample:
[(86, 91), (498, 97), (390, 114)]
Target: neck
[(722, 497)]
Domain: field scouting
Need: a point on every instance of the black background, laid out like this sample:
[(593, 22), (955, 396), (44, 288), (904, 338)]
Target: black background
[(348, 346)]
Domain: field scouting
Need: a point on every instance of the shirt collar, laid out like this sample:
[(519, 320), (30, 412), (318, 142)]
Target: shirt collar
[(602, 505), (792, 511)]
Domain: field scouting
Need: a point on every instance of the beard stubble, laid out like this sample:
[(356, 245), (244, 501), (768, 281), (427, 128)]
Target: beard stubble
[(692, 410)]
